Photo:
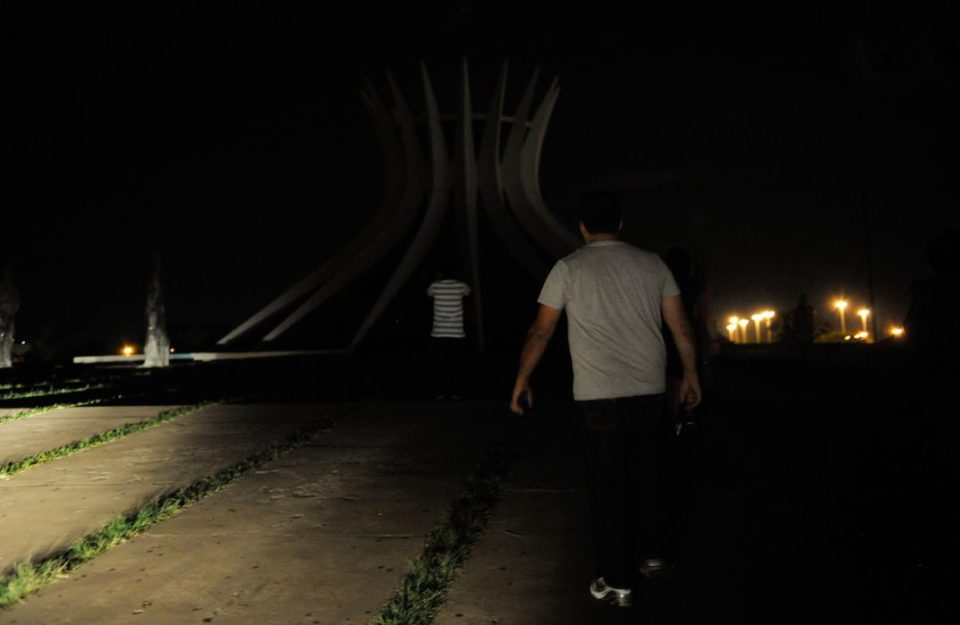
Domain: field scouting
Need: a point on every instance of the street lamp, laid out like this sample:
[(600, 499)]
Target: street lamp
[(757, 318), (768, 315), (897, 332), (841, 305), (743, 323), (734, 320), (732, 330), (864, 313)]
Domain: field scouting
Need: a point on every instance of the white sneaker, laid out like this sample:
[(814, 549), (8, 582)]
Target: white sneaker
[(620, 597)]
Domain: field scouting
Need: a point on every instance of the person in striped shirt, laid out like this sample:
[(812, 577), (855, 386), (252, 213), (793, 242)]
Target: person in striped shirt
[(448, 333), (448, 294)]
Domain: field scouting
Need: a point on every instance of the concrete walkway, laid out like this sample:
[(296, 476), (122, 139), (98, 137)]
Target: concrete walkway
[(49, 506), (323, 535), (48, 430), (535, 561)]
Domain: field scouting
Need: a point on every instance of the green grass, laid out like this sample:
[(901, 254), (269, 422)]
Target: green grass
[(96, 440), (424, 588), (30, 576), (51, 391)]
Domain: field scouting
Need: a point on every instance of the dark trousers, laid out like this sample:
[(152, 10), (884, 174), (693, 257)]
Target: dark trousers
[(626, 447), (448, 356)]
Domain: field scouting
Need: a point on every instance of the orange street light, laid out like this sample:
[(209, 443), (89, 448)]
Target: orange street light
[(734, 320), (128, 350), (768, 315), (841, 305), (732, 330), (743, 323), (864, 313), (757, 318), (897, 332)]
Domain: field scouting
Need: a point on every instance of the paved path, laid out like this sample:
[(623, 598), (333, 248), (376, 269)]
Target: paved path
[(48, 430), (534, 563), (49, 506), (322, 535)]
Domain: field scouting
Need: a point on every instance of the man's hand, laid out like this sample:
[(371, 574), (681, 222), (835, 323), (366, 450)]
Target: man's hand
[(522, 398), (537, 338), (683, 338), (690, 395)]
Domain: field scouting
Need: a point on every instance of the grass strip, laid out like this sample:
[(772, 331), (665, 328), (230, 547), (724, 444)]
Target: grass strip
[(29, 412), (29, 577), (424, 588), (16, 466), (52, 391)]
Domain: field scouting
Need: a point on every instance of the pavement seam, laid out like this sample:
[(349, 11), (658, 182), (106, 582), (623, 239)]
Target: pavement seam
[(423, 590), (17, 466), (28, 577)]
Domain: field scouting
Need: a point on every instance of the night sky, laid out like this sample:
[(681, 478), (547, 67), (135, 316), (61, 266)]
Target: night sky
[(233, 141)]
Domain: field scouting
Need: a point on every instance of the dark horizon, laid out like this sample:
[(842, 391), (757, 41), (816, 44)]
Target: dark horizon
[(182, 121)]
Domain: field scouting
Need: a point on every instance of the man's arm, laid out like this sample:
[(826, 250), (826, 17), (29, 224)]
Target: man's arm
[(538, 337), (683, 338)]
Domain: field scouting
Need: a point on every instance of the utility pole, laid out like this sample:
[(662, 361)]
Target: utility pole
[(857, 87)]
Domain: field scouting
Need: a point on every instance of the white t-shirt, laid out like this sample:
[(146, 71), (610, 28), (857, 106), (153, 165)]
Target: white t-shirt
[(612, 293), (448, 308)]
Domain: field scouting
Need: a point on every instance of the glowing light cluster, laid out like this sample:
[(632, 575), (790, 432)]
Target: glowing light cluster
[(128, 350), (735, 322), (841, 305)]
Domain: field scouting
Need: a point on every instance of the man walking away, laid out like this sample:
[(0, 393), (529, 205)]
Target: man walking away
[(616, 297)]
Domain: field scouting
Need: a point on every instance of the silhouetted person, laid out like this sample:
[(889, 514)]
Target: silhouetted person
[(448, 335), (9, 305), (931, 321), (802, 322), (616, 298), (929, 425)]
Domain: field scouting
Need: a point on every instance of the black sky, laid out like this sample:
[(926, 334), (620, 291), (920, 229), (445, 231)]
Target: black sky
[(233, 140)]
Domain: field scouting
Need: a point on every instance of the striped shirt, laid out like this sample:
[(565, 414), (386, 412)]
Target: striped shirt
[(448, 308)]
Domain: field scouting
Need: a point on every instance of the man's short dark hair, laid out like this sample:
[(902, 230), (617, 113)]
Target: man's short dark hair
[(600, 212)]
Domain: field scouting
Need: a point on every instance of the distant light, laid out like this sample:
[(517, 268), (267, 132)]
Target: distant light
[(861, 335), (847, 337), (734, 320), (172, 350), (23, 342), (757, 317), (732, 329), (128, 350), (743, 323), (769, 314), (864, 312), (897, 332)]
